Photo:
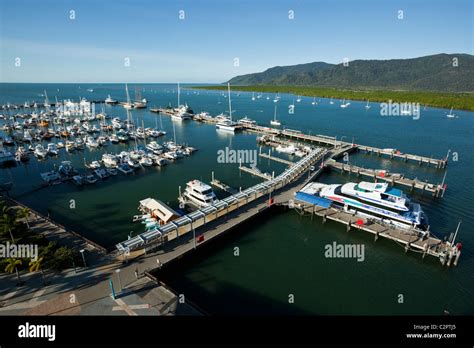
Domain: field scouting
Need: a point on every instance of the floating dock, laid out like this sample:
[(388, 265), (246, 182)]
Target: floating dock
[(255, 172), (276, 159), (222, 186), (409, 239)]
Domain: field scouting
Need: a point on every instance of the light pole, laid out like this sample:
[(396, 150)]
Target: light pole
[(341, 140), (118, 276), (83, 257)]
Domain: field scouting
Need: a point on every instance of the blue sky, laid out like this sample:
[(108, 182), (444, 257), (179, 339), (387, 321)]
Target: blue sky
[(201, 48)]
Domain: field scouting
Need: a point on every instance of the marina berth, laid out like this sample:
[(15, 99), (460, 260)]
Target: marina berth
[(198, 194), (374, 200)]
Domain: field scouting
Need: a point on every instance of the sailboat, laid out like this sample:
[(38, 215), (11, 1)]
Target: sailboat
[(253, 96), (451, 115), (298, 99), (314, 101), (331, 101), (227, 124), (275, 122), (139, 102), (182, 112), (128, 104), (344, 104), (367, 106), (46, 100), (277, 98)]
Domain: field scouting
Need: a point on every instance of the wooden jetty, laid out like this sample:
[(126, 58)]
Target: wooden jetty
[(222, 186), (393, 178), (333, 142), (409, 239), (255, 172), (276, 159)]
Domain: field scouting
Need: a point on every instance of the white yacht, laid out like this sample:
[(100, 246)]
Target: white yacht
[(139, 105), (198, 194), (182, 113), (154, 147), (91, 142), (52, 149), (275, 122), (93, 165), (40, 151), (110, 160), (109, 100), (374, 200), (227, 124), (290, 149), (247, 121)]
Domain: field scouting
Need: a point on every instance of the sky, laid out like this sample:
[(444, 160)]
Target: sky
[(147, 41)]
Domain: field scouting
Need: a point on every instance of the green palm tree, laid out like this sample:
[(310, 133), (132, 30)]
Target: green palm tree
[(37, 265), (9, 223), (24, 213), (5, 209), (12, 265)]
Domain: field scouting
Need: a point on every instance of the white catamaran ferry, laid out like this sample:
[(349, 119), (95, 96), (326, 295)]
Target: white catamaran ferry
[(198, 194), (374, 200)]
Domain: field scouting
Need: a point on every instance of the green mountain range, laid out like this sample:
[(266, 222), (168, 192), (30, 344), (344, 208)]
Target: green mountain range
[(430, 73)]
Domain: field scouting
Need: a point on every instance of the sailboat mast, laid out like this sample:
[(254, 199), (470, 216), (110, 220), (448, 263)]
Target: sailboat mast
[(179, 92), (230, 103), (128, 95), (174, 132)]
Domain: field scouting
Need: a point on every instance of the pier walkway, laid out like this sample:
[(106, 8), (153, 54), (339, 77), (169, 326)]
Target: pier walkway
[(332, 141), (220, 210)]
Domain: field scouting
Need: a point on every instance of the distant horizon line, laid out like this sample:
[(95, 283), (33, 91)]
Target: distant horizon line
[(115, 83), (275, 66)]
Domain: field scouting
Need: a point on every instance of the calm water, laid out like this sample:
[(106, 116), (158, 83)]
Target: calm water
[(283, 253)]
